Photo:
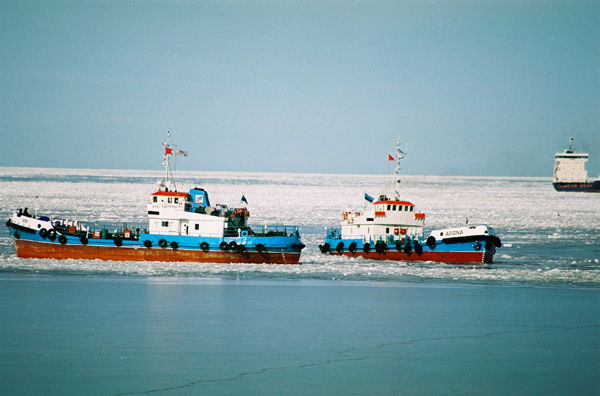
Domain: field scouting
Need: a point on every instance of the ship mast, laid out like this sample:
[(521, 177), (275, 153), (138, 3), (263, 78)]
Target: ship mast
[(570, 145), (399, 156), (168, 184)]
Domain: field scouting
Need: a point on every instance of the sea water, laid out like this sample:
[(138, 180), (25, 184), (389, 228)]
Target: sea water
[(527, 324)]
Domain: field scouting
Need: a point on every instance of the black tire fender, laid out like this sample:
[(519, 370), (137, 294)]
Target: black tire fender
[(418, 248), (430, 242), (352, 247)]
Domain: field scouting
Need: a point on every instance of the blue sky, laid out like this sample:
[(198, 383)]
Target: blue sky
[(472, 87)]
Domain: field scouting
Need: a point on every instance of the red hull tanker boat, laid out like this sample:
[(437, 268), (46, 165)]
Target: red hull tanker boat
[(182, 226)]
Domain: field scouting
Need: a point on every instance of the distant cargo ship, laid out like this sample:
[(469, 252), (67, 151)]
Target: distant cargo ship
[(570, 173)]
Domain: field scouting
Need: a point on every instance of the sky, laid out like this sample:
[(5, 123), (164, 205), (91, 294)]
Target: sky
[(475, 88)]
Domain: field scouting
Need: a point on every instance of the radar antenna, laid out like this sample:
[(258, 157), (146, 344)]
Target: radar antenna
[(399, 156)]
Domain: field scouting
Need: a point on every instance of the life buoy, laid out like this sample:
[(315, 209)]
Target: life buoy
[(430, 242), (340, 247), (148, 243), (118, 241), (174, 245), (17, 234), (399, 246), (233, 245), (62, 239), (396, 231), (44, 233), (260, 247), (204, 246), (241, 248), (324, 248), (224, 246), (418, 248), (52, 235), (352, 247), (162, 243), (367, 247), (83, 240)]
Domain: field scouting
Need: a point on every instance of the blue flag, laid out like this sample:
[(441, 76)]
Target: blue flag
[(369, 198)]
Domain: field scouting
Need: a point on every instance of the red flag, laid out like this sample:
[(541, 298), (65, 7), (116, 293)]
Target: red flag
[(168, 151), (390, 158)]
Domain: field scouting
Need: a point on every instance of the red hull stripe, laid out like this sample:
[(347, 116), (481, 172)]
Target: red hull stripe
[(33, 249), (442, 257)]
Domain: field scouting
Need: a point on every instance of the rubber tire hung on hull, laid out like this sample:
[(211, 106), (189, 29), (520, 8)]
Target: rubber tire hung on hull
[(204, 246), (324, 248)]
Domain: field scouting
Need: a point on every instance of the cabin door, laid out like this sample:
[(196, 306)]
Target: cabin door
[(185, 228)]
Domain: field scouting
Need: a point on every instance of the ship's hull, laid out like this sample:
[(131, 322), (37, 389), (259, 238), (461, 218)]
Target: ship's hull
[(149, 247), (51, 250), (578, 187), (476, 251), (435, 256)]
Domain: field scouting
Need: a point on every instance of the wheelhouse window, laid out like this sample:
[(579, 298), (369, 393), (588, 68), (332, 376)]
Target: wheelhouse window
[(165, 223), (176, 200), (388, 207), (170, 200), (155, 199), (196, 226), (387, 230), (394, 207)]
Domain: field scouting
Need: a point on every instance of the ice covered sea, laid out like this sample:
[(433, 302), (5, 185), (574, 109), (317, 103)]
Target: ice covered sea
[(527, 325), (548, 237)]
